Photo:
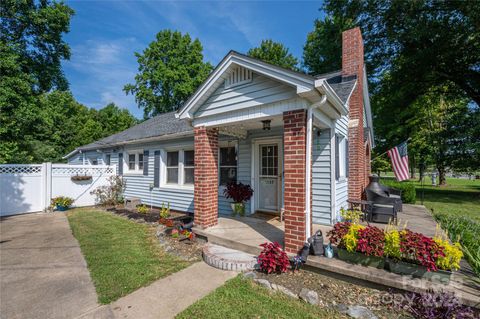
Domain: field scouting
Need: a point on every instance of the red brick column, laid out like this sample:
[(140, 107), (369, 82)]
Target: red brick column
[(294, 141), (353, 64), (206, 177)]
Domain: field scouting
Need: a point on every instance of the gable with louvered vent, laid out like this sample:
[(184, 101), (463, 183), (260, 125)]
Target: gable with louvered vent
[(238, 76)]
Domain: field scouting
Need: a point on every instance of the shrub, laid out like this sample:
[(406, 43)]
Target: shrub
[(238, 192), (409, 194), (273, 259), (111, 194), (142, 209), (467, 232), (350, 240), (61, 201)]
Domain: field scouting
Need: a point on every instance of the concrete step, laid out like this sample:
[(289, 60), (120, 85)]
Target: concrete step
[(228, 259)]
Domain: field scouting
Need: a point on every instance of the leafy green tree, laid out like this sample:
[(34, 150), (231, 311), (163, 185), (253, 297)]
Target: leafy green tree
[(322, 51), (17, 108), (170, 69), (114, 119), (275, 53), (381, 164), (34, 29)]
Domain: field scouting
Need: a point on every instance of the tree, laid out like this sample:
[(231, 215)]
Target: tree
[(274, 53), (322, 51), (34, 29), (114, 119), (17, 107), (170, 69)]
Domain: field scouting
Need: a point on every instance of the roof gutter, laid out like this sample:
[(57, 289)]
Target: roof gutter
[(143, 140), (322, 86), (308, 164)]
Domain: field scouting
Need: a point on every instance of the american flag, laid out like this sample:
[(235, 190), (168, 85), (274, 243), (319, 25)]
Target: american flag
[(399, 157)]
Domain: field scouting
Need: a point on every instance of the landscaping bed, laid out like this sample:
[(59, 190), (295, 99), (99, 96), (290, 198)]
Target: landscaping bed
[(333, 293), (181, 247), (151, 216)]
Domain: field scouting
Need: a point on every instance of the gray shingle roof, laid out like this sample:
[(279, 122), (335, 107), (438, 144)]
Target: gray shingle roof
[(163, 124), (341, 84), (167, 123)]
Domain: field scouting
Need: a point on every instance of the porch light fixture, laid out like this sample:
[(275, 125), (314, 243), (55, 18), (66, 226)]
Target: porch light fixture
[(266, 125)]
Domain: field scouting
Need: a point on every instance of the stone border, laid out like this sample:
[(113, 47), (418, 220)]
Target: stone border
[(214, 260)]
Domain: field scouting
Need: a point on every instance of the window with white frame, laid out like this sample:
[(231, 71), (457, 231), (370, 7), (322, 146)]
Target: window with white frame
[(227, 165), (179, 167), (134, 161), (341, 154)]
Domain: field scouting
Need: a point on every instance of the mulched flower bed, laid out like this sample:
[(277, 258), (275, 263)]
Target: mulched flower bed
[(334, 292), (152, 216), (183, 248)]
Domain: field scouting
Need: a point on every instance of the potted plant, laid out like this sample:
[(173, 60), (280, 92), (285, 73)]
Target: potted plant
[(418, 255), (239, 193), (61, 203)]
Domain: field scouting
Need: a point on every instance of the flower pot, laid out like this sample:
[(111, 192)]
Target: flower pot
[(361, 259), (418, 271), (238, 208), (61, 208)]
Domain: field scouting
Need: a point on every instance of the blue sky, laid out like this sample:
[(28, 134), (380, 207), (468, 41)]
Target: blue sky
[(105, 34)]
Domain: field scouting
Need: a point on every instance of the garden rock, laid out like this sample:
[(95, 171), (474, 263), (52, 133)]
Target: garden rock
[(286, 291), (309, 296), (357, 312), (249, 275), (263, 282)]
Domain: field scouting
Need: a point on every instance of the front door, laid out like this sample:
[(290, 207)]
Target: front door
[(269, 177)]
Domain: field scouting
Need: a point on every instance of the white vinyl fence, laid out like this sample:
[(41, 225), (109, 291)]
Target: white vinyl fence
[(29, 188)]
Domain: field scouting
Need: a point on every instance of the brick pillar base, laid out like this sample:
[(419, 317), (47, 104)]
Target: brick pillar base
[(206, 177), (294, 139)]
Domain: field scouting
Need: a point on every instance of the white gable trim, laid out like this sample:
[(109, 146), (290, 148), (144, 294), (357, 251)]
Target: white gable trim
[(302, 83)]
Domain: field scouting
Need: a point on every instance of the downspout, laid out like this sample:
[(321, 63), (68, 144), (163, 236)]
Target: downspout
[(308, 164)]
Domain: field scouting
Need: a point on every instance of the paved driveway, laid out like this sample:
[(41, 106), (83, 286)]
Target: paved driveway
[(42, 271)]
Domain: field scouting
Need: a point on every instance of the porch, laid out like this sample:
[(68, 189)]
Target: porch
[(247, 233)]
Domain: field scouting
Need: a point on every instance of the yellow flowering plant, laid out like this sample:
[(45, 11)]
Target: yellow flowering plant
[(351, 215), (453, 252), (351, 238)]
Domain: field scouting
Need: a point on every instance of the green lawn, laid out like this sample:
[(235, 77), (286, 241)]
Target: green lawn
[(240, 298), (122, 255), (461, 197)]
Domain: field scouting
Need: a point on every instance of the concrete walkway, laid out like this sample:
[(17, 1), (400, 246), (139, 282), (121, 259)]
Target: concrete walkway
[(166, 297), (43, 272)]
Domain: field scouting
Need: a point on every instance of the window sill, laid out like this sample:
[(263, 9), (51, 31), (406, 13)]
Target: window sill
[(185, 188), (342, 180), (134, 173)]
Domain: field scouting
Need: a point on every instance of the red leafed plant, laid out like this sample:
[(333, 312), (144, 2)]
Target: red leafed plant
[(420, 249), (273, 258), (371, 241), (238, 192), (338, 231)]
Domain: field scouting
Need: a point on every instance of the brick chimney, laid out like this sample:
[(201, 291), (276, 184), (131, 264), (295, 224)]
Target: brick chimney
[(353, 64)]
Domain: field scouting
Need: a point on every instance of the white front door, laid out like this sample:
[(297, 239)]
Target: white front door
[(269, 183)]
